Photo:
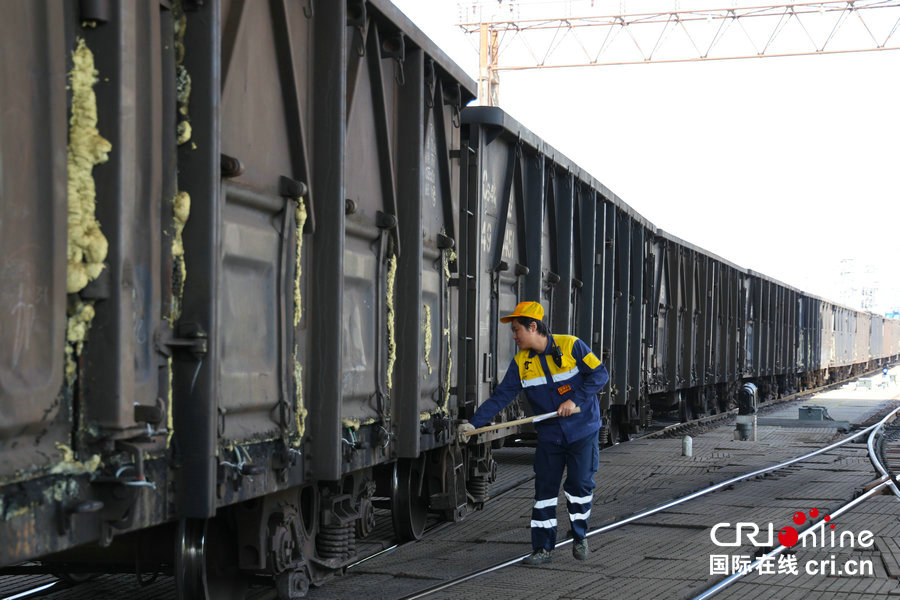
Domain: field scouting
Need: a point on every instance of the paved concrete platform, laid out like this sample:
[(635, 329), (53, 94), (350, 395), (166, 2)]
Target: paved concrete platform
[(670, 554)]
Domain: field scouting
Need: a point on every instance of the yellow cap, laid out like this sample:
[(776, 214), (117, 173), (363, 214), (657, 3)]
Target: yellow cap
[(532, 310)]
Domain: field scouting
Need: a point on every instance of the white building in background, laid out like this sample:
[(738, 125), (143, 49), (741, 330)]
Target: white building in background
[(867, 287)]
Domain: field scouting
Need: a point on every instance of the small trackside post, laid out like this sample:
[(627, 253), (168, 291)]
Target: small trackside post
[(745, 427)]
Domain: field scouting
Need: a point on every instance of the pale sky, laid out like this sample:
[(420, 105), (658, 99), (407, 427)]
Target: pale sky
[(780, 165)]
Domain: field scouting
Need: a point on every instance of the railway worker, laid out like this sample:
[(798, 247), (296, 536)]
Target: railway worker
[(557, 373)]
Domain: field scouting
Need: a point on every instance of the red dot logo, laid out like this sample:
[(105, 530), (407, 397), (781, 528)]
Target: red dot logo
[(788, 536), (814, 512), (799, 518), (827, 517)]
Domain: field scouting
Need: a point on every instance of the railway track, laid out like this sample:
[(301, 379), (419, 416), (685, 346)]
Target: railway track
[(888, 444), (36, 591), (43, 586), (877, 438), (878, 431), (686, 427)]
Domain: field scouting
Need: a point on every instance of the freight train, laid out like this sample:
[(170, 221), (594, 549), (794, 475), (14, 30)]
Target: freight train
[(288, 243)]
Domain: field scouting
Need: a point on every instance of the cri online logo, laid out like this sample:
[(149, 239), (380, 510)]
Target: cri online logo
[(787, 536)]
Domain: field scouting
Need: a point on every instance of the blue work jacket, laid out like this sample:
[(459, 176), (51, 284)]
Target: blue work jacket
[(547, 385)]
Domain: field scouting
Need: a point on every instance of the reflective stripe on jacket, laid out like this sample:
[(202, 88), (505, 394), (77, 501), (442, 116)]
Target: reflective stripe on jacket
[(578, 377)]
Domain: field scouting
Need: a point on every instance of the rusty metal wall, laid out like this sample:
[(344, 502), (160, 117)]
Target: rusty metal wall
[(264, 128), (346, 113), (694, 332), (309, 248), (349, 111), (124, 378), (84, 381), (36, 413), (220, 118), (545, 230), (502, 224), (427, 124)]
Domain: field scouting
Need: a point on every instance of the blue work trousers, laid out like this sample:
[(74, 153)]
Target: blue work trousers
[(580, 459)]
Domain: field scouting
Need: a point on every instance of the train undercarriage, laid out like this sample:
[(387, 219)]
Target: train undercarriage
[(295, 538)]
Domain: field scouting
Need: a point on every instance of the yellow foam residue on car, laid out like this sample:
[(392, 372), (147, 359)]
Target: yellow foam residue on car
[(170, 415), (392, 342), (181, 211), (182, 77), (300, 411), (449, 365), (449, 255), (64, 489), (80, 315), (69, 466), (87, 246), (181, 203), (182, 89), (184, 132), (354, 424), (300, 219), (427, 329)]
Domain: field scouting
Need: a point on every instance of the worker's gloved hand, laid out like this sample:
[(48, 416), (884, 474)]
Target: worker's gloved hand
[(464, 426), (566, 409)]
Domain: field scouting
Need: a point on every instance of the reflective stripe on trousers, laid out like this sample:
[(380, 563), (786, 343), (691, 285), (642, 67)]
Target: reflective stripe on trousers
[(580, 460)]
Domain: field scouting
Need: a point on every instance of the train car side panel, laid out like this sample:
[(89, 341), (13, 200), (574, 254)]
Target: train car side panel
[(36, 413)]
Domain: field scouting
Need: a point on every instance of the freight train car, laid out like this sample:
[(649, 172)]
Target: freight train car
[(288, 246), (540, 227), (249, 341), (679, 328), (696, 306)]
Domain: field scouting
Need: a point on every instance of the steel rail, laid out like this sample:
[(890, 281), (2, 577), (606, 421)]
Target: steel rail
[(436, 528), (34, 591), (671, 429), (448, 584), (873, 456), (676, 428), (811, 530)]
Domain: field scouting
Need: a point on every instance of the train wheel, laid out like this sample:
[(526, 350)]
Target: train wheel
[(604, 434), (204, 567), (614, 429), (409, 498), (620, 429), (685, 408), (76, 578)]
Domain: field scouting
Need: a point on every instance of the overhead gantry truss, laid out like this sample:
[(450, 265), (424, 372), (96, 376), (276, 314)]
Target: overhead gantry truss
[(777, 30)]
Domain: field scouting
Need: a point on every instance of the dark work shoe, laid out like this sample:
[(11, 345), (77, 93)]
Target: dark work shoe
[(539, 557), (580, 549)]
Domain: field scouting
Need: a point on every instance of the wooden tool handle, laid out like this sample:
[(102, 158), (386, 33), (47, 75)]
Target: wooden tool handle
[(534, 419)]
